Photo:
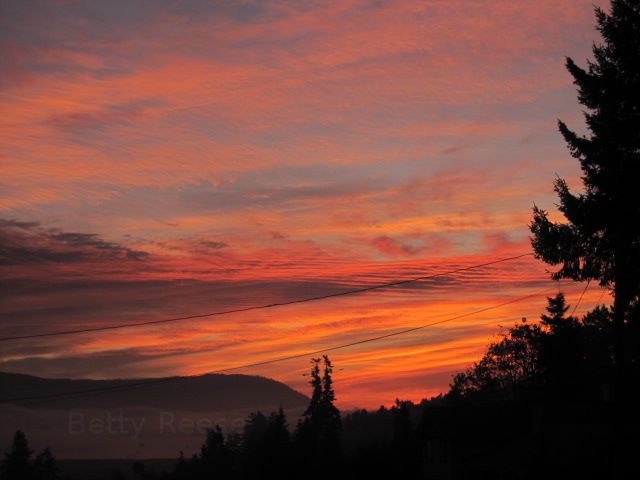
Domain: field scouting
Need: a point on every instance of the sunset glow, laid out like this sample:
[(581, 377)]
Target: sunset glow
[(162, 159)]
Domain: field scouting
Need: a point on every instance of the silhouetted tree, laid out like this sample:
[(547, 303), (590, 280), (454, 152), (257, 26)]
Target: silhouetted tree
[(278, 445), (562, 358), (315, 403), (46, 466), (561, 355), (510, 366), (598, 350), (182, 469), (253, 435), (404, 449), (600, 239), (265, 445), (17, 461), (331, 421), (216, 458), (278, 429), (402, 424), (318, 432), (556, 308)]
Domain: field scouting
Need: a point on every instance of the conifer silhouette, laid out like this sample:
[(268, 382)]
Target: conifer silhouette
[(16, 464), (600, 239)]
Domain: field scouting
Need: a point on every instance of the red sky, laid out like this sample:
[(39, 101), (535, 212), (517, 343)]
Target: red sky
[(167, 158)]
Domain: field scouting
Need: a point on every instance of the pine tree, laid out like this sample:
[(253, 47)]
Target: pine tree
[(318, 432), (332, 422), (560, 351), (216, 458), (17, 462), (46, 466), (556, 309), (182, 470), (600, 239), (311, 413), (278, 431), (277, 447), (254, 431), (403, 441), (402, 426)]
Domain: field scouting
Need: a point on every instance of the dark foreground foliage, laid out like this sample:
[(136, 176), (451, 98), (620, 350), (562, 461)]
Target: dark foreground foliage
[(19, 464), (537, 404)]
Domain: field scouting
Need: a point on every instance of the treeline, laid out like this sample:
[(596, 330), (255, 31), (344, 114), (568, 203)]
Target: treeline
[(486, 425), (539, 403), (557, 364), (559, 359), (19, 464), (322, 444)]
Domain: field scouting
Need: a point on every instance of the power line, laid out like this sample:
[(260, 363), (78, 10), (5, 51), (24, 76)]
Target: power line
[(260, 307), (600, 297), (581, 295), (99, 390)]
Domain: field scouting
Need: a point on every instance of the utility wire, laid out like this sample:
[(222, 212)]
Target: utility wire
[(600, 297), (581, 295), (99, 390), (260, 307)]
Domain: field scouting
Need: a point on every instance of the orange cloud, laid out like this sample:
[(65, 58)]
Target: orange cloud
[(190, 157)]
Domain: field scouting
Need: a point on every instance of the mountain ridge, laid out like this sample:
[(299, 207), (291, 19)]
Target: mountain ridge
[(195, 393)]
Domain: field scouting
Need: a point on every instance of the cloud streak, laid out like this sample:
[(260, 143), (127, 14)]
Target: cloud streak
[(163, 158)]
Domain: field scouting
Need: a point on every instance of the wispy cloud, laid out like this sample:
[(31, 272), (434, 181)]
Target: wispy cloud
[(163, 157)]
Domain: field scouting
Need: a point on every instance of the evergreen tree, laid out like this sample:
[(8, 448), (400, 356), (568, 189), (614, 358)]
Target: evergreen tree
[(182, 470), (46, 466), (560, 359), (253, 434), (216, 458), (556, 309), (278, 430), (312, 411), (403, 442), (277, 445), (402, 424), (600, 239), (332, 423), (561, 352), (17, 462), (318, 432)]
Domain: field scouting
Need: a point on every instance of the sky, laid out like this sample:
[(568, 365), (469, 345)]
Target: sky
[(168, 158)]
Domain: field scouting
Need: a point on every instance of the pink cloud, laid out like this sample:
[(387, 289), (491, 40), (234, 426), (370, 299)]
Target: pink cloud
[(262, 154)]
